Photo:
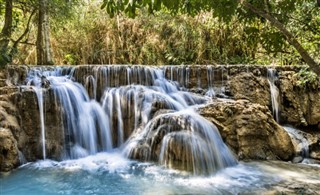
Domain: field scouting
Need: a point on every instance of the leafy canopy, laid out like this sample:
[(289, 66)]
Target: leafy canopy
[(301, 18), (224, 9)]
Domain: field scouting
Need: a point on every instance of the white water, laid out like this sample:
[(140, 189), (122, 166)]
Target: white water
[(126, 113), (274, 93), (88, 169), (300, 142), (39, 94), (110, 173), (36, 79), (85, 125), (85, 128)]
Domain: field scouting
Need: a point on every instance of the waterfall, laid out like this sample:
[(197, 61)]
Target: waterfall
[(37, 79), (126, 106), (85, 126), (39, 94), (196, 141), (300, 142), (274, 91), (210, 92), (85, 129)]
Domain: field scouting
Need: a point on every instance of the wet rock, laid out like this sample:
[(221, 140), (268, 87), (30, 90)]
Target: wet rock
[(29, 136), (249, 130), (183, 141), (315, 154), (45, 83), (297, 159)]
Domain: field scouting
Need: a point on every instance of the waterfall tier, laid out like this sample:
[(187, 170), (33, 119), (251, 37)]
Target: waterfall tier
[(119, 106)]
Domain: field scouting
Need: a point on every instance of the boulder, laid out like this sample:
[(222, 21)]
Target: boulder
[(249, 129), (181, 140), (247, 86), (9, 156)]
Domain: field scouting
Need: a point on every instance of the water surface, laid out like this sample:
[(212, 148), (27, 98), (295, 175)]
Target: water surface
[(110, 173)]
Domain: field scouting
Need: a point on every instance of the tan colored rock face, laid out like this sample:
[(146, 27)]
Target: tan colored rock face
[(249, 130), (9, 158), (29, 137), (249, 87), (300, 106)]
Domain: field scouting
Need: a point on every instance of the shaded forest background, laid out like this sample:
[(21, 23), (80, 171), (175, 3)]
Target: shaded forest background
[(83, 33)]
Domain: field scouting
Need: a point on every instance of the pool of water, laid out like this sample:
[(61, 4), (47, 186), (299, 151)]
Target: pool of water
[(110, 173)]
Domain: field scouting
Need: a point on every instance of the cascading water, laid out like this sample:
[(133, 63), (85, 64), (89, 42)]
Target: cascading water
[(39, 94), (85, 129), (274, 91), (158, 123), (300, 142), (37, 79), (130, 105), (195, 141), (210, 92)]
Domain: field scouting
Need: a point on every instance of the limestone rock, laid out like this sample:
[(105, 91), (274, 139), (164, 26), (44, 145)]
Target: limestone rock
[(250, 130), (9, 158), (184, 141), (16, 74), (249, 87), (29, 136), (299, 106)]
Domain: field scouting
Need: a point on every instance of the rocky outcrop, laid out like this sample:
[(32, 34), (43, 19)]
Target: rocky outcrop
[(9, 157), (181, 140), (9, 153), (300, 102), (29, 137), (249, 129), (247, 86)]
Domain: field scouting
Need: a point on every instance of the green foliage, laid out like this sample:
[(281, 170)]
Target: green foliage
[(299, 17), (161, 31), (161, 38), (307, 78)]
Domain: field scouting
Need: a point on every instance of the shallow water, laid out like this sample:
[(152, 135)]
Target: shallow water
[(110, 173)]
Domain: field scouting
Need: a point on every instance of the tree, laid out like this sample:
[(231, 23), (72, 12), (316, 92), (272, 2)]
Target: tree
[(44, 56), (6, 33), (277, 13), (18, 18), (9, 45)]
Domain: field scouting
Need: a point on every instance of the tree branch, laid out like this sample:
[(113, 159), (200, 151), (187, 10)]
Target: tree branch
[(290, 38), (15, 44)]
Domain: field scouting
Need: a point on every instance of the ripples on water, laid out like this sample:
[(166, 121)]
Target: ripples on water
[(110, 173)]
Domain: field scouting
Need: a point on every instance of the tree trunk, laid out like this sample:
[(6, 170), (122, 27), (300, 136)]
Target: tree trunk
[(314, 66), (6, 34), (43, 38)]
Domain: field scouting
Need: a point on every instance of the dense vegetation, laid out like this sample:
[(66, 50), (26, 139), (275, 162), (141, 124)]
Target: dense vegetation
[(139, 32)]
